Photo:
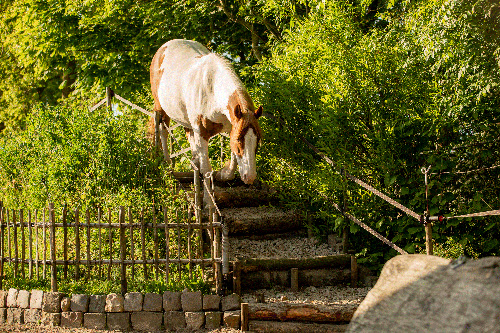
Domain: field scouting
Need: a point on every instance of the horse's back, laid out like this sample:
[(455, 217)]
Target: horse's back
[(169, 68)]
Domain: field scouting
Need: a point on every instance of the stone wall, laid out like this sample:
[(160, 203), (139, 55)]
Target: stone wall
[(137, 311)]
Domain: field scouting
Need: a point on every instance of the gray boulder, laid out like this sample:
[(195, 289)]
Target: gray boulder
[(417, 293)]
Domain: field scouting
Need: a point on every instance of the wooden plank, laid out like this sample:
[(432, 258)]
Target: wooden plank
[(256, 264), (2, 245), (30, 247), (354, 272), (155, 244), (44, 234), (23, 242), (167, 245), (16, 250), (143, 244), (132, 250), (99, 235), (87, 218), (244, 316), (77, 244), (123, 270), (37, 237), (110, 243), (53, 270), (65, 240)]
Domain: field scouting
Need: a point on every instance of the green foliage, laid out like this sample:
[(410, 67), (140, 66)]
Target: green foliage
[(70, 155), (382, 104)]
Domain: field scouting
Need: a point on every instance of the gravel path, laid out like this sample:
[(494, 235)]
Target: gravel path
[(297, 247)]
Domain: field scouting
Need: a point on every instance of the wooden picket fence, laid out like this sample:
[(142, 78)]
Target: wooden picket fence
[(159, 242)]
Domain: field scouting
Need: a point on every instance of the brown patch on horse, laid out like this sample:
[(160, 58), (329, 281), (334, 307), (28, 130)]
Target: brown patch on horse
[(208, 128), (243, 117), (155, 74)]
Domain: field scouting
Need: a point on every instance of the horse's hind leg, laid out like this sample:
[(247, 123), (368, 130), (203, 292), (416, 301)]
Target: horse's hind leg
[(164, 137)]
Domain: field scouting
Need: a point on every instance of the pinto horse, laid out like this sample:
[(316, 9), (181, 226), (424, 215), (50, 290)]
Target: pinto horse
[(201, 91)]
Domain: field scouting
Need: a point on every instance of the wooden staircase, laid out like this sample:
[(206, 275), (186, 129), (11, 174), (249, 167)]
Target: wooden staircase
[(253, 215)]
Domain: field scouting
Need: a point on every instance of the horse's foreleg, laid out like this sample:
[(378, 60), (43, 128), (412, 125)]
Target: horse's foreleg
[(228, 171), (164, 141)]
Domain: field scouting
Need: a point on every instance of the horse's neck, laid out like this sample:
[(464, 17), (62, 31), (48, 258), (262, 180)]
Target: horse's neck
[(226, 86)]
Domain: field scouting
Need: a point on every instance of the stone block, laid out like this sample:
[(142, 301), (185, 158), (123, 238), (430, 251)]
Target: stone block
[(80, 303), (72, 319), (94, 321), (12, 298), (3, 315), (152, 302), (174, 320), (32, 315), (211, 302), (133, 302), (194, 320), (65, 304), (51, 318), (231, 302), (3, 298), (114, 303), (15, 316), (118, 321), (146, 321), (192, 301), (213, 319), (52, 302), (36, 299), (97, 303), (172, 301), (23, 299), (232, 319)]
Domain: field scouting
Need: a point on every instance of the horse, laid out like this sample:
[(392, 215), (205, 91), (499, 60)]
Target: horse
[(200, 90)]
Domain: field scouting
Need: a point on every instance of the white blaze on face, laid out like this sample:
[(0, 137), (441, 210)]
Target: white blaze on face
[(246, 162)]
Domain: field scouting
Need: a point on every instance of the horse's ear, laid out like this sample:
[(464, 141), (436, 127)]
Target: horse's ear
[(237, 111), (258, 112)]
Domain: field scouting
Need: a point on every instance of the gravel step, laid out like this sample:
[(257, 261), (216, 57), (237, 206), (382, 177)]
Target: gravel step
[(261, 220)]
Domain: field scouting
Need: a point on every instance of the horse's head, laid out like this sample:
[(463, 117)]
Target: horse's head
[(244, 139)]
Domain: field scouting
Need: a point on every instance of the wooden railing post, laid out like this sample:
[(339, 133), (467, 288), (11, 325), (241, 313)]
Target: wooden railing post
[(109, 97), (53, 275), (14, 236), (65, 240), (2, 232), (77, 245), (121, 221)]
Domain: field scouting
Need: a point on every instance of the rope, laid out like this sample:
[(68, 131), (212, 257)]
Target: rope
[(481, 214)]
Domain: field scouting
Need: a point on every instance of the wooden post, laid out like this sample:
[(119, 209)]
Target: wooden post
[(65, 240), (37, 254), (99, 235), (178, 244), (2, 232), (218, 255), (23, 241), (354, 272), (16, 251), (44, 234), (155, 245), (87, 221), (110, 242), (9, 248), (167, 245), (237, 277), (345, 240), (121, 221), (53, 270), (244, 317), (428, 239), (143, 244), (109, 97), (77, 245), (132, 250), (30, 247), (294, 279)]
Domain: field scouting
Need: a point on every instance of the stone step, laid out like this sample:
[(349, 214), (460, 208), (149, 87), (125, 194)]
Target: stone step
[(261, 220), (294, 327), (244, 196)]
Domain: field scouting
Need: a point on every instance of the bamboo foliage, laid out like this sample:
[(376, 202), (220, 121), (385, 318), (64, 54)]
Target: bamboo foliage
[(161, 240)]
